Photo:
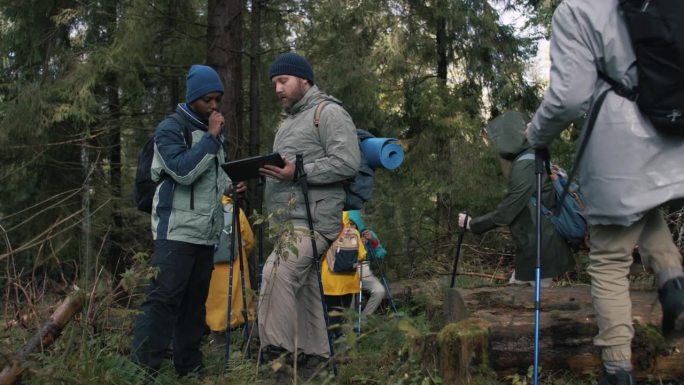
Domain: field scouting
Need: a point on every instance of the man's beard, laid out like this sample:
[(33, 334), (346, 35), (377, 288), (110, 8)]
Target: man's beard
[(296, 96)]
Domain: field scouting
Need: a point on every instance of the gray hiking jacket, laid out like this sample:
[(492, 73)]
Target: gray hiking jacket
[(628, 168), (331, 155)]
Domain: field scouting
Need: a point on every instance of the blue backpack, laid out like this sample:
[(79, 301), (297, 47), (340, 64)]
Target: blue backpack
[(570, 219)]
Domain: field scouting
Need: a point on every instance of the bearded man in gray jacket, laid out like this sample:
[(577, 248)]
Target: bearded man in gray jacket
[(290, 308), (627, 172)]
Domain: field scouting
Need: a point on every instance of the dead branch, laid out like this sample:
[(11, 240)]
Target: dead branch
[(47, 334)]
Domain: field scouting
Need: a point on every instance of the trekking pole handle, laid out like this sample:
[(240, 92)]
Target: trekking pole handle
[(299, 167), (458, 250), (541, 157)]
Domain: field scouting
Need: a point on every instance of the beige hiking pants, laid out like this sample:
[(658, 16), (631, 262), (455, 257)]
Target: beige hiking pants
[(290, 304), (610, 258), (373, 287)]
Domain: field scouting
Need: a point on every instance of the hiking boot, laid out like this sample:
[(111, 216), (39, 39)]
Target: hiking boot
[(217, 338), (618, 378), (671, 297), (310, 365)]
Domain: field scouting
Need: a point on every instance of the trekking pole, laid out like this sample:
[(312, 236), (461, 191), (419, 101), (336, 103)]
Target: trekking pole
[(259, 263), (226, 367), (539, 157), (360, 294), (260, 234), (384, 280), (300, 176), (389, 293), (458, 250), (238, 243)]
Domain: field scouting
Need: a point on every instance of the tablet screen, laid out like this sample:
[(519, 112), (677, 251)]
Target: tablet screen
[(248, 168)]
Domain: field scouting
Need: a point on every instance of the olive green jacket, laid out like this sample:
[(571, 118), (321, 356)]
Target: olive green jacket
[(517, 211)]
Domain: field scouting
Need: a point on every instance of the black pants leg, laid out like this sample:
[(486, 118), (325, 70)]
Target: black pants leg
[(337, 305), (179, 289), (191, 323)]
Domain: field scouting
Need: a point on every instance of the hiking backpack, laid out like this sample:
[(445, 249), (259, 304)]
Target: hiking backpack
[(225, 251), (570, 218), (359, 190), (144, 187), (656, 29), (343, 254)]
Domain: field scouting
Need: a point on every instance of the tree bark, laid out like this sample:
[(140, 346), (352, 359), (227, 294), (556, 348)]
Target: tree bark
[(224, 54), (115, 264), (255, 189), (47, 334), (441, 43)]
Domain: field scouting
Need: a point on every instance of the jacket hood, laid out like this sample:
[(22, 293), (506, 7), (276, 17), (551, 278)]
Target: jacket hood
[(507, 134)]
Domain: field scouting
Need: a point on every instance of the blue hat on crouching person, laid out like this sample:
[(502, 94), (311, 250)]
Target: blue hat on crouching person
[(292, 64), (355, 216), (201, 80)]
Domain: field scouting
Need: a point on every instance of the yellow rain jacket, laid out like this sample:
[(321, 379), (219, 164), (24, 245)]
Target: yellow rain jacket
[(342, 283), (217, 300)]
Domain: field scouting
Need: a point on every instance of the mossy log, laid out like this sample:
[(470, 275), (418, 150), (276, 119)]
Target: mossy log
[(47, 334), (567, 327)]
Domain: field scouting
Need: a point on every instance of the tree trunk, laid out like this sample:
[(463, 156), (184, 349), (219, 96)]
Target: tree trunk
[(255, 191), (115, 264), (86, 168), (441, 46), (255, 80), (224, 54), (567, 327)]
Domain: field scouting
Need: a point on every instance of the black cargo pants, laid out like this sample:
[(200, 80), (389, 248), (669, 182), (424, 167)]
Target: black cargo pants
[(174, 306)]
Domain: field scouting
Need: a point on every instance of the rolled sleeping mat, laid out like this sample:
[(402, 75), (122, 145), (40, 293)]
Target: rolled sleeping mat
[(383, 152)]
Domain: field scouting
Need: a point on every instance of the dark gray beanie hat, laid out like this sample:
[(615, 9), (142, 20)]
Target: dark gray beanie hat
[(290, 63)]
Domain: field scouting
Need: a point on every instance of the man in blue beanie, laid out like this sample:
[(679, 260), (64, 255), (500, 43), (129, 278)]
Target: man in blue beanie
[(187, 217), (290, 297)]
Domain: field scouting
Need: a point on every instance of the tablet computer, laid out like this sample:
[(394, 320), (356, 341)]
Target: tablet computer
[(248, 168)]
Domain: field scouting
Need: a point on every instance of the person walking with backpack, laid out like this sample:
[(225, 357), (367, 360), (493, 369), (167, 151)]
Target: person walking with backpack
[(628, 169), (517, 210), (187, 218), (290, 306)]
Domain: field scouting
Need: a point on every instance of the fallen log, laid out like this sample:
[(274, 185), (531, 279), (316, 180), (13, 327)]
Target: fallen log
[(567, 327), (47, 334)]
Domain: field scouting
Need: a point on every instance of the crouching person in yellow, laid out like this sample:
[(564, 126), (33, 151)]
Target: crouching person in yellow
[(217, 301), (339, 288)]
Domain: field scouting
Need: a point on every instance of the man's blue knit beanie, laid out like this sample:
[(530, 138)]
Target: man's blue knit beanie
[(201, 80), (290, 63)]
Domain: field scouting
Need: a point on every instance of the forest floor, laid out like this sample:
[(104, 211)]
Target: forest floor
[(94, 347)]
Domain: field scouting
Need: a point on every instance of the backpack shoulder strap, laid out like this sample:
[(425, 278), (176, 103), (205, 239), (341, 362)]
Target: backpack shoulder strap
[(528, 156), (619, 88), (319, 110), (187, 133)]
